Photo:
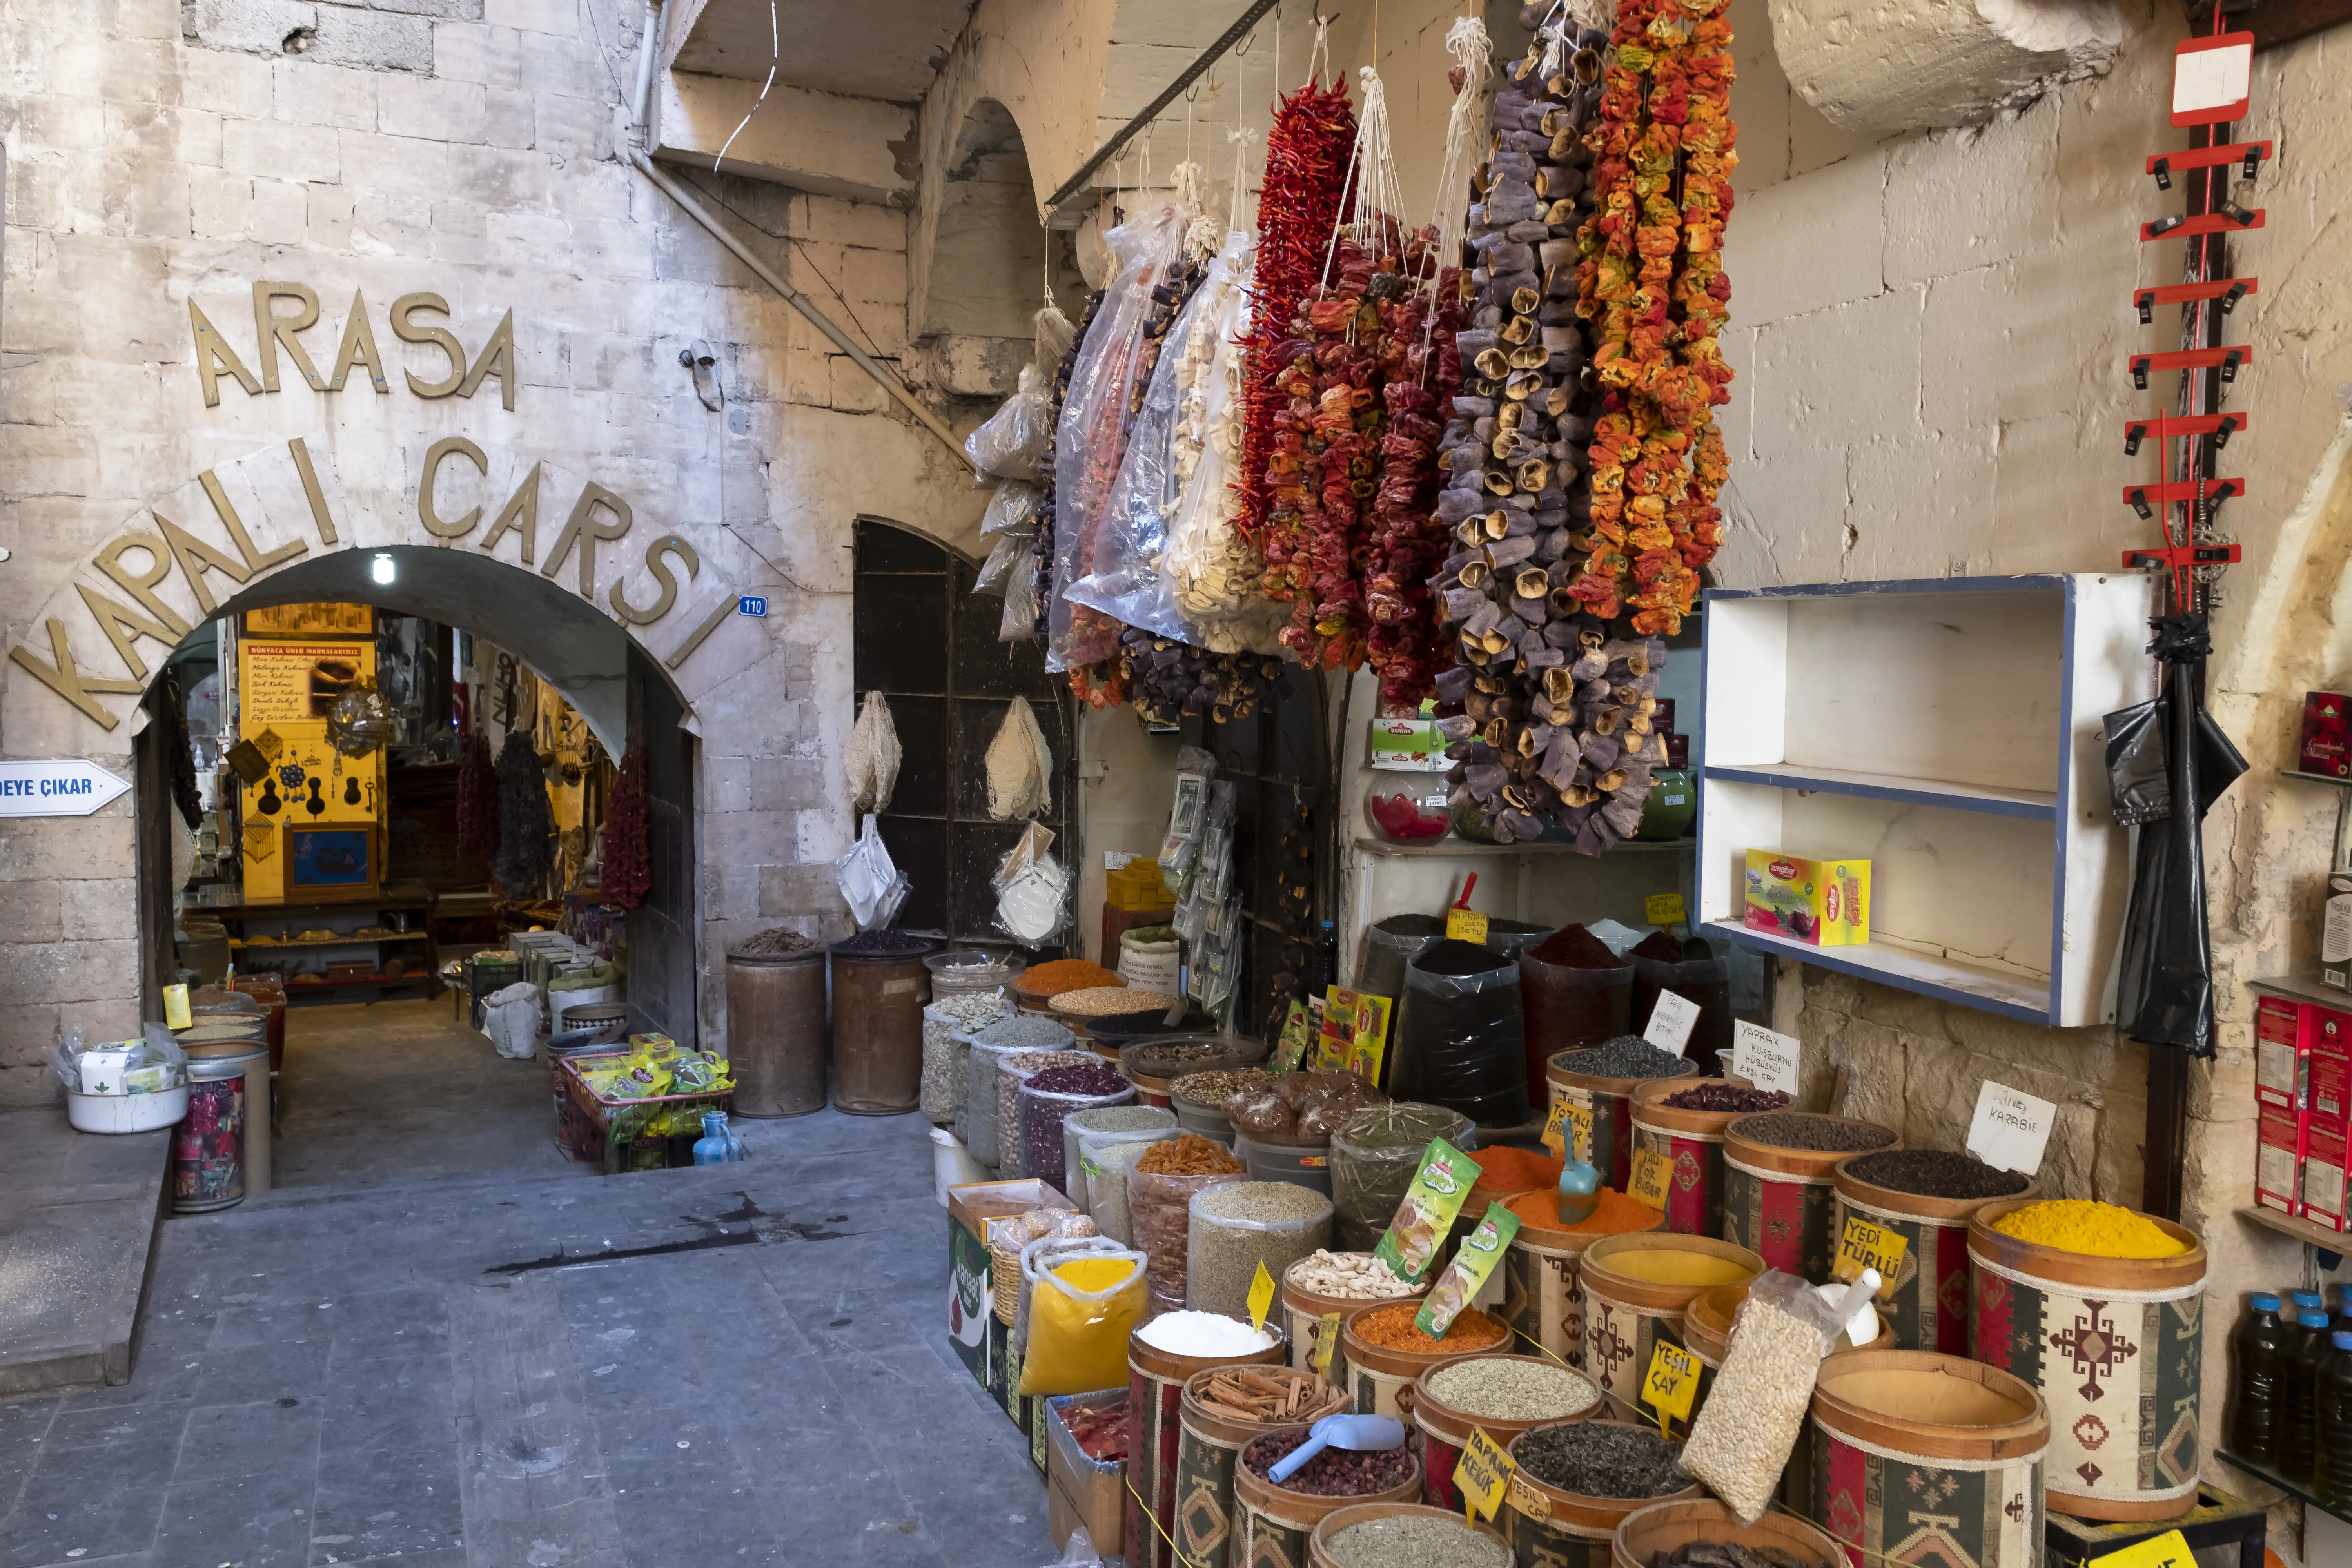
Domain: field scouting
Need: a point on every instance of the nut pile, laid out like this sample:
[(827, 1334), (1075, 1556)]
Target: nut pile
[(1350, 1276), (1210, 1089)]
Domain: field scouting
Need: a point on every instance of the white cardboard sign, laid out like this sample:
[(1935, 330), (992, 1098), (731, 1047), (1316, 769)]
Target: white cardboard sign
[(1671, 1021), (1764, 1059), (2010, 1128)]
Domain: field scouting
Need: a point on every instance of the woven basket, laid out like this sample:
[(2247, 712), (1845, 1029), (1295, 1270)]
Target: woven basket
[(1004, 1272)]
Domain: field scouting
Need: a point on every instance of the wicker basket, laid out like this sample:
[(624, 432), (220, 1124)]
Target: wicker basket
[(1004, 1273)]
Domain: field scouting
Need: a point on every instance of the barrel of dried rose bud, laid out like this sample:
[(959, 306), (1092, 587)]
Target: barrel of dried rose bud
[(1636, 1290), (1445, 1431), (1560, 1529), (1303, 1313), (1272, 1522), (1155, 1431), (1927, 1307), (1208, 1452), (1779, 1200), (1692, 1141)]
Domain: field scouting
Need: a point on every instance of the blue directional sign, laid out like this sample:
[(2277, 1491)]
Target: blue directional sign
[(66, 788), (751, 605)]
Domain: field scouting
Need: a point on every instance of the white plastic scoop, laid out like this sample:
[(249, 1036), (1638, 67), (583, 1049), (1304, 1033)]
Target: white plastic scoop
[(1362, 1434)]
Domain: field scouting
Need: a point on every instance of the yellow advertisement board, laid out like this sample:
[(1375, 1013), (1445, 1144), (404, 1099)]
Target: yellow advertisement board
[(285, 691)]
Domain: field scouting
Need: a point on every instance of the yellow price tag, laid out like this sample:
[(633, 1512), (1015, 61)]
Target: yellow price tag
[(1672, 1384), (1652, 1172), (175, 1007), (1580, 1131), (1261, 1296), (1465, 925), (1326, 1340), (1482, 1474), (1664, 910), (1867, 1244), (1527, 1500), (1553, 1137), (2169, 1550)]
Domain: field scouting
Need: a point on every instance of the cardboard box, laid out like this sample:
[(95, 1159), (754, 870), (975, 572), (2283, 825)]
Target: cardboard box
[(2282, 1056), (1080, 1490), (2326, 746), (1823, 902), (2329, 1100), (2323, 1176), (2278, 1159)]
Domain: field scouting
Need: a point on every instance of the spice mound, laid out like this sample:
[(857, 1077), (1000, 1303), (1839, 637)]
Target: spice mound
[(1211, 1090), (1349, 1275), (1594, 1458), (1108, 1001), (1935, 1173), (1614, 1215), (2093, 1229), (1508, 1170), (1730, 1554), (1266, 1393), (1573, 947), (883, 944), (1064, 974), (1203, 1334), (1091, 1078), (1822, 1134), (1395, 1329), (1334, 1472), (1503, 1388), (1188, 1155), (1415, 1541), (1627, 1056), (774, 944), (1099, 1430), (1024, 1034), (1727, 1096)]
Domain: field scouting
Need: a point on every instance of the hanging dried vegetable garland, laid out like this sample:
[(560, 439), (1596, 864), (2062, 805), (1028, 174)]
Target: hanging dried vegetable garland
[(1404, 643), (628, 867), (1167, 680), (477, 800), (526, 822)]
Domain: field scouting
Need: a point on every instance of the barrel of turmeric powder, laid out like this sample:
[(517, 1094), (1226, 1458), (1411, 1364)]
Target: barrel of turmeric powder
[(1636, 1288)]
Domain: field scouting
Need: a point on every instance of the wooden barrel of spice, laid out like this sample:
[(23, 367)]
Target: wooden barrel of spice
[(1273, 1522), (1659, 1528), (1155, 1431), (1692, 1143), (1445, 1429), (1778, 1201), (1209, 1451), (2116, 1345), (1609, 1101), (1925, 1457), (1927, 1308), (1382, 1376), (1545, 1291), (1636, 1288), (1550, 1527), (1338, 1520), (1303, 1313)]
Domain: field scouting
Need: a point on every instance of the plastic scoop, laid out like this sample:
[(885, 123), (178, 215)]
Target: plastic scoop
[(1579, 1192), (1362, 1434)]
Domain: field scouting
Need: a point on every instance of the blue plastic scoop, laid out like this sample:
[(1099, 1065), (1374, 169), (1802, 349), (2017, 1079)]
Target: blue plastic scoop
[(1364, 1434)]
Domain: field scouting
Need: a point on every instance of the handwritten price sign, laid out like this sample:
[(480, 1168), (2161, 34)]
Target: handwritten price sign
[(1569, 1127), (1865, 1244), (1481, 1475), (1672, 1384), (1653, 1173)]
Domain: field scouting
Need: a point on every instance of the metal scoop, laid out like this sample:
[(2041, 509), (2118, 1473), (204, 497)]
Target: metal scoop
[(1362, 1434)]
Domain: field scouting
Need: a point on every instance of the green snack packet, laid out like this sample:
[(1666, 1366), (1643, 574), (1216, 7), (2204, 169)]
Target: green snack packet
[(1473, 1261), (1297, 1034), (1426, 1216)]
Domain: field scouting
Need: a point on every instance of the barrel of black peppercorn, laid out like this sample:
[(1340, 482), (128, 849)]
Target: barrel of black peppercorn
[(1776, 1170), (1926, 1196)]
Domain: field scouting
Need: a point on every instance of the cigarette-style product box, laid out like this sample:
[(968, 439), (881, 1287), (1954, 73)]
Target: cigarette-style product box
[(2278, 1159), (2281, 1055), (2323, 1176), (1823, 902)]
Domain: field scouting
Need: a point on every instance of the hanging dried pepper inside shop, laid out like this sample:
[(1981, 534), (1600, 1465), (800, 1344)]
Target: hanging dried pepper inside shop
[(1405, 642), (628, 867), (477, 800)]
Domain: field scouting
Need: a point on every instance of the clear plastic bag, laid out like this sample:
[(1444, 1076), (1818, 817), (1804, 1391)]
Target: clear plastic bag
[(1010, 555), (1374, 1158), (1160, 1209), (1011, 509), (1033, 890), (1009, 443), (1108, 1168), (869, 881), (1041, 1112), (1045, 1253), (1019, 622), (1091, 437), (1742, 1436), (1222, 1250), (1079, 1325), (1013, 1072)]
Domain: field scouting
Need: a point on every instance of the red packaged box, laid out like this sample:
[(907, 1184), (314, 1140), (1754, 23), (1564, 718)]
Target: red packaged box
[(2323, 1176), (2282, 1056), (2278, 1159), (2330, 1101), (2326, 735)]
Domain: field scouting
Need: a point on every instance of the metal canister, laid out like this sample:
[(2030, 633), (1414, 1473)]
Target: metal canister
[(775, 1032)]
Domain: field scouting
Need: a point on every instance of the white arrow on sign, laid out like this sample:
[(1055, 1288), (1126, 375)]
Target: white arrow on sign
[(66, 788)]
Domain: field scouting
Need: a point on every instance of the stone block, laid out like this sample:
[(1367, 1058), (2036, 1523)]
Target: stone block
[(1833, 378), (379, 163), (227, 83), (94, 910), (30, 911), (576, 127), (565, 61), (66, 124), (280, 213), (799, 890), (279, 151), (1942, 218), (167, 132), (788, 784), (31, 1030), (310, 92), (507, 119), (68, 848), (530, 239), (330, 226), (433, 109), (1778, 265), (388, 224), (440, 10), (65, 972), (473, 51), (254, 26), (849, 390), (866, 224), (616, 250), (535, 15), (372, 40)]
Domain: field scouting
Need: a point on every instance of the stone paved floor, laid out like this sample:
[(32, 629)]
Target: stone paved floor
[(460, 1371)]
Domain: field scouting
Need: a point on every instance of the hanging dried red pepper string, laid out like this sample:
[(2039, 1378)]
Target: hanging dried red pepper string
[(628, 873)]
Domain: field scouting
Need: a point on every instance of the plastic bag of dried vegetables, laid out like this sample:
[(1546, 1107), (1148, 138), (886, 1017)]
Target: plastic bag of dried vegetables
[(1009, 442)]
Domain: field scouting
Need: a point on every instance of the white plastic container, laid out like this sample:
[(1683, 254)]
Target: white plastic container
[(950, 1166), (126, 1112)]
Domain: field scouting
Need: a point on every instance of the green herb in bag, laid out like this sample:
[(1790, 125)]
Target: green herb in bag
[(1473, 1260), (1425, 1217)]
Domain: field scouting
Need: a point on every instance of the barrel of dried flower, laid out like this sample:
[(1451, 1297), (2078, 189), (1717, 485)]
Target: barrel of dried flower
[(1544, 1295), (1560, 1529), (1382, 1376), (1341, 1520), (1155, 1414), (1892, 1429), (1928, 1307), (1658, 1529), (2116, 1345), (1303, 1311), (1215, 1429), (1636, 1288), (1777, 1199), (1445, 1429), (1271, 1523), (1692, 1143), (1610, 1148)]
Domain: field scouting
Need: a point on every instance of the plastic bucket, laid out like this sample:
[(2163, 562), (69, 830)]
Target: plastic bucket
[(1636, 1288), (1155, 1433), (1544, 1290), (1301, 1165), (1609, 1101), (126, 1112), (1551, 1525), (1779, 1201), (1899, 1437), (2115, 1346), (1273, 1523), (1928, 1307), (1691, 1141), (952, 1166), (1445, 1431)]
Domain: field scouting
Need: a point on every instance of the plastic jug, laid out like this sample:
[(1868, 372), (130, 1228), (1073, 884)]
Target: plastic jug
[(2258, 1349), (2332, 1389), (2308, 1350), (717, 1146)]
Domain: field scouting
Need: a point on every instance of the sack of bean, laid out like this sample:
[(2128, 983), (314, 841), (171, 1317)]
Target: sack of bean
[(1233, 1228), (1742, 1436), (1012, 1072), (983, 1119), (947, 1023), (1049, 1098)]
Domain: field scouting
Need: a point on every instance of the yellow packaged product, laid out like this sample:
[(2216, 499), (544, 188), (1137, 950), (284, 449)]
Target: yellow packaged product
[(1080, 1315), (1825, 903)]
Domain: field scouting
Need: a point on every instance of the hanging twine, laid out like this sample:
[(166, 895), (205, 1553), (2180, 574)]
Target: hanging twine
[(1472, 51), (1377, 195), (1241, 137)]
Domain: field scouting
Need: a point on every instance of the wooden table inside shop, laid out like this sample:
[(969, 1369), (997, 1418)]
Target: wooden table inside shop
[(420, 955)]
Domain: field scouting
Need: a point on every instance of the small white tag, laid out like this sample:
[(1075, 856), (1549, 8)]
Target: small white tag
[(2010, 1128), (1764, 1059), (1671, 1021), (2211, 78), (1116, 860)]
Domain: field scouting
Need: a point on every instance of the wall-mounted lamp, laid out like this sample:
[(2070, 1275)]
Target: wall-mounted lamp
[(382, 569)]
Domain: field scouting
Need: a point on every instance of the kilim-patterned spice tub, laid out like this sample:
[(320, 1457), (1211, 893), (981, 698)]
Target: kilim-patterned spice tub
[(1609, 1101), (1445, 1430), (1636, 1288), (2116, 1345), (1692, 1143), (1275, 1522), (1208, 1455), (1560, 1529), (1155, 1402), (1544, 1294), (1928, 1306), (1776, 1199)]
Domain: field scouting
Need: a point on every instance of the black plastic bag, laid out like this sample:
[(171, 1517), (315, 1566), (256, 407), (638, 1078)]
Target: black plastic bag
[(1462, 1042)]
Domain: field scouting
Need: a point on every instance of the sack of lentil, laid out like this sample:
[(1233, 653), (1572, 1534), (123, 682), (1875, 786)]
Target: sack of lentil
[(1374, 1157), (1742, 1436), (1081, 1316), (947, 1023), (1049, 1098), (1233, 1228)]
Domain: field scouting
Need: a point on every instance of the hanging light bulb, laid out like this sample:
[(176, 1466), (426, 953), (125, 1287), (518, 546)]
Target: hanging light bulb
[(381, 568)]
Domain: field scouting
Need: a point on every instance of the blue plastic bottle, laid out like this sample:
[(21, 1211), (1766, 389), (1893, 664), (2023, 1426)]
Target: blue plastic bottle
[(2258, 1349), (2332, 1392), (2307, 1352), (717, 1146)]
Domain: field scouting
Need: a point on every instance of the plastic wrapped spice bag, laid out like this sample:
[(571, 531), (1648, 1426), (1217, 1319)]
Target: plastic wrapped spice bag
[(1744, 1433), (1009, 442)]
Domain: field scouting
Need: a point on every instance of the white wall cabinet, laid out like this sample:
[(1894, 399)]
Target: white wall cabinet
[(1950, 731)]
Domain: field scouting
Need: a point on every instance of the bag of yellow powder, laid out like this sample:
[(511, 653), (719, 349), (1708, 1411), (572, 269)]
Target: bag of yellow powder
[(1080, 1318)]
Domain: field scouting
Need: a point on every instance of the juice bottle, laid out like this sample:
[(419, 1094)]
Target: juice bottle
[(2308, 1350), (2298, 1302), (2342, 1323), (2258, 1349), (2333, 1399)]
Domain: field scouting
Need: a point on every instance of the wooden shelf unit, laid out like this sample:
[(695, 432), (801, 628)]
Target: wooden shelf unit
[(227, 904), (1948, 730)]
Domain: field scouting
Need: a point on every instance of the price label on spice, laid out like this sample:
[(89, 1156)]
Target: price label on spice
[(2169, 1550), (1671, 1021), (1570, 1125), (1465, 925), (2010, 1128), (1867, 1244), (1663, 909), (1652, 1172), (1671, 1385), (1261, 1296), (1764, 1059), (1327, 1340), (1480, 1474), (1526, 1500), (175, 1007)]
